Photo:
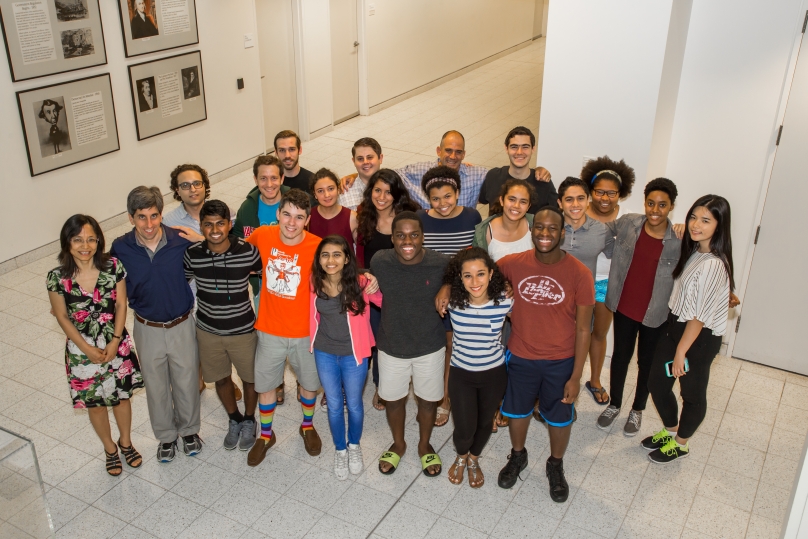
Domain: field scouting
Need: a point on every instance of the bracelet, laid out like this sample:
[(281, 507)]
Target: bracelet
[(119, 337)]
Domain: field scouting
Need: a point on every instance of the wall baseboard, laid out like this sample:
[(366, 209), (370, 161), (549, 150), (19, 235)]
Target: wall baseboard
[(52, 248), (446, 78)]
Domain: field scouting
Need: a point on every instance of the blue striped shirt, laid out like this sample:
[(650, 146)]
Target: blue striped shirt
[(448, 236), (477, 335)]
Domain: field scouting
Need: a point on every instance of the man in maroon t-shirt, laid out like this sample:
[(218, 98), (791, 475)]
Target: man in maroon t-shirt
[(554, 297)]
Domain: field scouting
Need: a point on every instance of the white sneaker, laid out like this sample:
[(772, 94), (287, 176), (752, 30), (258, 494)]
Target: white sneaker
[(341, 464), (355, 463)]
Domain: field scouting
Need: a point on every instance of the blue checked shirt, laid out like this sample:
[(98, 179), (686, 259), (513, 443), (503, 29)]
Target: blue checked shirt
[(471, 180)]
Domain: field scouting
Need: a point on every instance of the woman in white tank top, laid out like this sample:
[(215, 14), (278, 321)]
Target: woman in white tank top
[(508, 230)]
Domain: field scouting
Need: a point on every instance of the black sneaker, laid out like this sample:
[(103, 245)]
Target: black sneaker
[(669, 452), (191, 445), (559, 489), (166, 451), (656, 441), (510, 473)]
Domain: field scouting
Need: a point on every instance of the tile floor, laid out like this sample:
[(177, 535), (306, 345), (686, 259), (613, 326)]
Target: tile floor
[(736, 484)]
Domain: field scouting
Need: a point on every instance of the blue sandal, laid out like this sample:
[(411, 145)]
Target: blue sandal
[(600, 391)]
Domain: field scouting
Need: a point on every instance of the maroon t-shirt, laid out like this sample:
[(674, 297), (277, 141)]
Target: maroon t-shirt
[(339, 225), (545, 301), (639, 283)]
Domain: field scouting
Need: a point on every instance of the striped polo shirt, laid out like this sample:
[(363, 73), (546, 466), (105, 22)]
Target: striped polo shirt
[(477, 337), (448, 236), (222, 280)]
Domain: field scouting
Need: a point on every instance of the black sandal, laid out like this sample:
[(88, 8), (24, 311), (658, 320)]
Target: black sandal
[(131, 455), (113, 463)]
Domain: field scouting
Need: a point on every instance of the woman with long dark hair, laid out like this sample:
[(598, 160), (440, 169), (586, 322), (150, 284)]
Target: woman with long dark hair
[(703, 281), (385, 196), (341, 341), (87, 292), (477, 372)]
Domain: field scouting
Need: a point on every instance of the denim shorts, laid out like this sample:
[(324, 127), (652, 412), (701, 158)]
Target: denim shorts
[(600, 290)]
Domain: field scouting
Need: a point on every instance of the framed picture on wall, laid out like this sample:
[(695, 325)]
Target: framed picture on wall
[(44, 37), (67, 123), (167, 94), (157, 25)]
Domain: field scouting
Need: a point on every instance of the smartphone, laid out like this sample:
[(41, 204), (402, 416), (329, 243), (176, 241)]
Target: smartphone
[(669, 364)]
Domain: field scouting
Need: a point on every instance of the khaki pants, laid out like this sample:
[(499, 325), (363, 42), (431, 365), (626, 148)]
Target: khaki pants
[(169, 361)]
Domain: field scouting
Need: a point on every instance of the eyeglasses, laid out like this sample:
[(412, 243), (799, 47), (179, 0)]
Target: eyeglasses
[(185, 186), (602, 193), (81, 241)]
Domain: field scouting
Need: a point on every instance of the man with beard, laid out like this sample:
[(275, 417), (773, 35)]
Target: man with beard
[(288, 150)]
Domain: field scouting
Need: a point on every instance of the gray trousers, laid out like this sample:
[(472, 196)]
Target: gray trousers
[(169, 361)]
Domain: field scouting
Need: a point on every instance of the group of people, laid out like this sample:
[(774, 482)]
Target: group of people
[(394, 272)]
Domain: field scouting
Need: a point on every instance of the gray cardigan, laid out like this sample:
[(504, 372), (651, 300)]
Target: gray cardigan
[(627, 230)]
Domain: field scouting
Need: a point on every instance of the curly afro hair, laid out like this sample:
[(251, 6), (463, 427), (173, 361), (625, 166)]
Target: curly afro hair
[(594, 166)]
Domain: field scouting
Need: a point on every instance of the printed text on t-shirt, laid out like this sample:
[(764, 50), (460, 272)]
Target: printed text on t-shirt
[(541, 290), (282, 274)]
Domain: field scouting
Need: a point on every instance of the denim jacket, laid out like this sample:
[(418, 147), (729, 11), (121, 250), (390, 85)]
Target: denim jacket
[(627, 230)]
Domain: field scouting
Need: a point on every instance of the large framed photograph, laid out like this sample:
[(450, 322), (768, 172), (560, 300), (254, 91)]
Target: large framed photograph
[(67, 123), (157, 25), (44, 37), (167, 94)]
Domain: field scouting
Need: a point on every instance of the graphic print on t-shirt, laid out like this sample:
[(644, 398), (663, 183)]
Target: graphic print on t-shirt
[(282, 274), (541, 290)]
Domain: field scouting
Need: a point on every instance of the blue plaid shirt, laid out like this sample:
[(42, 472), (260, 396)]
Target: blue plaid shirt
[(471, 180)]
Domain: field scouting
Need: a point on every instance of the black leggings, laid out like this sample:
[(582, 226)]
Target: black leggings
[(475, 397), (693, 384), (625, 335), (375, 321)]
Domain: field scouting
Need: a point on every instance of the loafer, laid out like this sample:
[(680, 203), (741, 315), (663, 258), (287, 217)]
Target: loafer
[(259, 450), (311, 441)]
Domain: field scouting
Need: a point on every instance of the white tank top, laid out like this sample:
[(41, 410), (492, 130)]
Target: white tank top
[(497, 249), (604, 264)]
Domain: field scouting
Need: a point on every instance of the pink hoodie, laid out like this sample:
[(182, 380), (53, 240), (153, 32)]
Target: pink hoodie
[(359, 325)]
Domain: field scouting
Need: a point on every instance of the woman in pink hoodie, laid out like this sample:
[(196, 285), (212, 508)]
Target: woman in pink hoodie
[(341, 340)]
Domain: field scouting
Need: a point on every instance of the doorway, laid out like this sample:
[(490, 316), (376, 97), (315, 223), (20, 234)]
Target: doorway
[(344, 59)]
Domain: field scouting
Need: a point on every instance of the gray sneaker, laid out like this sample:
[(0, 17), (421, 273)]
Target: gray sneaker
[(246, 438), (233, 430), (166, 452), (608, 416), (633, 424), (191, 445)]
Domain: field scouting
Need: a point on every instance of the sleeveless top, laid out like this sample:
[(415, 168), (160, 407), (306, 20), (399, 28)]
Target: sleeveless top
[(604, 264), (339, 225), (497, 249)]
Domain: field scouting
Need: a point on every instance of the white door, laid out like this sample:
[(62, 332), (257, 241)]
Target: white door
[(344, 54), (772, 319), (277, 56)]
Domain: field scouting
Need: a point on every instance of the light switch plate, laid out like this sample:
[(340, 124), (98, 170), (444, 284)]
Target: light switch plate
[(249, 41), (371, 9)]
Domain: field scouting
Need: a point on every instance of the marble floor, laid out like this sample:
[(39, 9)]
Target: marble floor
[(736, 483)]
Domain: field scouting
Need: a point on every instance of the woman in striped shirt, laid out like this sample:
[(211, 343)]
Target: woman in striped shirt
[(699, 308), (477, 374)]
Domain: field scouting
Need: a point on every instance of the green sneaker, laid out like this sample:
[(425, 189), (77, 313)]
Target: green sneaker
[(656, 441), (669, 452)]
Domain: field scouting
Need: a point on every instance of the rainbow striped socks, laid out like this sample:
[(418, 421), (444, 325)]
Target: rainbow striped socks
[(266, 411), (308, 411)]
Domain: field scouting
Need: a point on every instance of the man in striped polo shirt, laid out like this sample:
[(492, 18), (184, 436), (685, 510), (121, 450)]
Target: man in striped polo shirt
[(221, 266)]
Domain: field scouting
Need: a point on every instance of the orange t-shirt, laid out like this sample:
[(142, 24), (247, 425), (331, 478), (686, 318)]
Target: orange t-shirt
[(283, 307)]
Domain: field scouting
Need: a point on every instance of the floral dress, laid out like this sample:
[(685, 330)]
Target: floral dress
[(93, 314)]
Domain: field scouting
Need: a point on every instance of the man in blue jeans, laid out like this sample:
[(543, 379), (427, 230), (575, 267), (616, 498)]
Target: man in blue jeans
[(554, 297)]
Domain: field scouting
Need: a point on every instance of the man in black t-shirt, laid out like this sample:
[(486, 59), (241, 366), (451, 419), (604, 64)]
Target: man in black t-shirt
[(411, 338), (519, 144), (288, 150)]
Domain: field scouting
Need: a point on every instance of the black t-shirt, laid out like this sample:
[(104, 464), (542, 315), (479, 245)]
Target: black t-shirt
[(496, 178), (301, 181), (410, 325)]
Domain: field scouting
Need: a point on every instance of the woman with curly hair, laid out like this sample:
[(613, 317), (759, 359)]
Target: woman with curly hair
[(477, 374), (385, 196), (609, 182), (87, 293)]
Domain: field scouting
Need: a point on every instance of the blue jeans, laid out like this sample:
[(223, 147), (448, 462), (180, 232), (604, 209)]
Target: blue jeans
[(338, 373)]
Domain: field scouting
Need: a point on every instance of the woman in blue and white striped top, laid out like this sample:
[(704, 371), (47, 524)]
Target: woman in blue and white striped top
[(477, 375)]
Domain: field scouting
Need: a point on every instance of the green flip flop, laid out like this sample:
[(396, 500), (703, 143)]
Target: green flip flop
[(390, 458), (431, 459)]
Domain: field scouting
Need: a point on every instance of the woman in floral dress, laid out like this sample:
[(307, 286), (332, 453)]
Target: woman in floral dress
[(88, 295)]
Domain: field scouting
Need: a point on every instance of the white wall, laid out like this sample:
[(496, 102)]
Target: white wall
[(414, 42), (316, 41), (232, 133), (602, 70)]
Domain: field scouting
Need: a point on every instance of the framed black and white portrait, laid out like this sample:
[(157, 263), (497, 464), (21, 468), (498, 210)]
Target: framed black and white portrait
[(156, 25), (45, 37), (67, 123), (167, 94)]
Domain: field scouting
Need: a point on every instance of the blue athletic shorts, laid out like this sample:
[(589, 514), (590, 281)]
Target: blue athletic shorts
[(600, 290), (529, 379)]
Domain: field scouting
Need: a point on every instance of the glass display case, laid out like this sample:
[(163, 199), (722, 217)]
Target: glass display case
[(23, 507)]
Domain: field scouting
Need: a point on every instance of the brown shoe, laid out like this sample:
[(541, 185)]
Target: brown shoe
[(237, 391), (311, 440), (259, 450)]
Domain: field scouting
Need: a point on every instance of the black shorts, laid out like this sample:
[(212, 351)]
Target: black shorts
[(529, 379)]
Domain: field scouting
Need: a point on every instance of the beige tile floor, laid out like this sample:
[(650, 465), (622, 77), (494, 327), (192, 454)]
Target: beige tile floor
[(736, 484)]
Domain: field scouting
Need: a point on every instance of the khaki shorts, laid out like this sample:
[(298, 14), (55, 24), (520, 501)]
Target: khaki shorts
[(270, 362), (218, 354), (426, 373)]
